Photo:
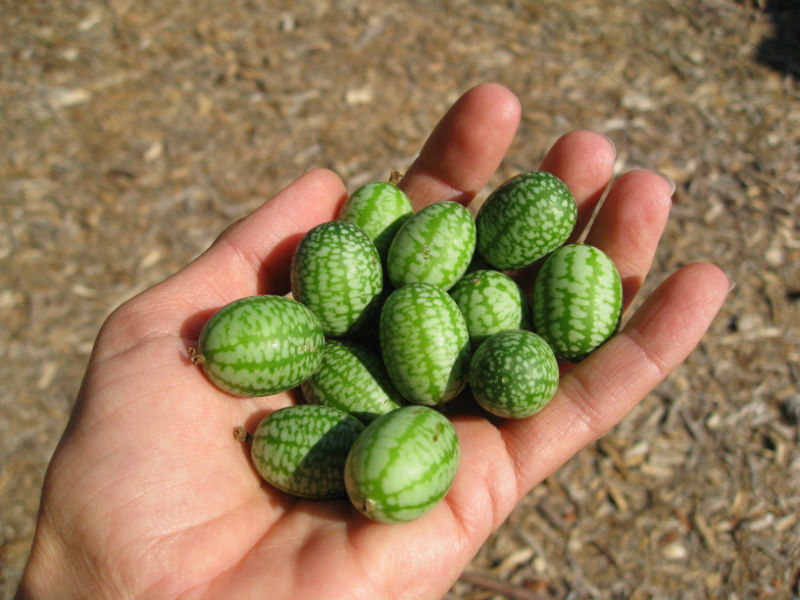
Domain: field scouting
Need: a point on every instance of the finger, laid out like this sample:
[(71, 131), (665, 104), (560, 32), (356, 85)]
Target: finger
[(584, 160), (629, 225), (465, 148), (596, 394)]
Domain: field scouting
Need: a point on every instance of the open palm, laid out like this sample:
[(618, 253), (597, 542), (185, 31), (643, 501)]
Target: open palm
[(149, 495)]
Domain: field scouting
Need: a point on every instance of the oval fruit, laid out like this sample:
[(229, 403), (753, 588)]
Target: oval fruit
[(490, 301), (513, 374), (337, 273), (424, 343), (402, 465), (434, 246), (302, 449), (577, 300), (260, 345), (352, 379), (524, 219), (379, 209)]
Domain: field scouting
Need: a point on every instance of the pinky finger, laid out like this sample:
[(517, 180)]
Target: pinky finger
[(598, 392)]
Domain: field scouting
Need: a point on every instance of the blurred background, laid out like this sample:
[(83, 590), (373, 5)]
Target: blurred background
[(131, 133)]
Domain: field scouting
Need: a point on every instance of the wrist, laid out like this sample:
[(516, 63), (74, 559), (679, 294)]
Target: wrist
[(41, 577), (54, 570)]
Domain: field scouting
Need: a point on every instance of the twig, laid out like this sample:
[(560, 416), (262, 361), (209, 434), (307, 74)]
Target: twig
[(501, 587)]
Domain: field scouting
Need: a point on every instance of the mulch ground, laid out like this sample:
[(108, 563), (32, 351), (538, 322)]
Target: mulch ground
[(133, 132)]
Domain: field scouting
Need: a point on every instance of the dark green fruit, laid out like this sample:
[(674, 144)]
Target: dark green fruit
[(424, 343), (302, 449), (513, 374), (379, 209), (352, 379), (434, 246), (525, 219), (337, 273), (402, 465), (260, 345), (577, 300), (490, 301)]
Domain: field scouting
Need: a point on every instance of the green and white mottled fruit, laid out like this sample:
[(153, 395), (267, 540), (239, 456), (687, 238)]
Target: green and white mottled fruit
[(260, 345), (434, 246), (402, 465), (424, 343), (525, 219), (513, 374), (577, 300), (337, 273), (490, 301), (352, 379), (379, 209), (302, 449)]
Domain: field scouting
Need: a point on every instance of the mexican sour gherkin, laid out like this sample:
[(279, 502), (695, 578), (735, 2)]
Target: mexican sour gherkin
[(379, 209), (353, 379), (302, 449), (434, 246), (424, 343), (491, 301), (524, 219), (260, 345), (577, 300), (402, 465), (513, 374), (337, 273)]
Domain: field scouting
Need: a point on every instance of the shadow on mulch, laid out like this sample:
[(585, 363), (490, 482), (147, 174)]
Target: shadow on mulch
[(782, 51)]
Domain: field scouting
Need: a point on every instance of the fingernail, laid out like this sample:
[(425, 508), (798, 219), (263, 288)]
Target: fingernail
[(610, 141), (670, 181)]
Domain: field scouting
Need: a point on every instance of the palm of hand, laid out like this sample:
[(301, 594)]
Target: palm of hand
[(149, 494)]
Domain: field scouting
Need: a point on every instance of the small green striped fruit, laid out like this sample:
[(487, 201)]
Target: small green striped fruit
[(424, 343), (513, 374), (434, 246), (525, 219), (491, 301), (402, 465), (337, 273), (260, 345), (577, 300), (352, 379), (379, 209), (302, 449)]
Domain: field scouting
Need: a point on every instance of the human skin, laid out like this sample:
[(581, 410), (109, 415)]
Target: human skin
[(149, 496)]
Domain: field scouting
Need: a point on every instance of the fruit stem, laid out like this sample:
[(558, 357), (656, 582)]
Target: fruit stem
[(240, 434), (395, 177), (195, 356)]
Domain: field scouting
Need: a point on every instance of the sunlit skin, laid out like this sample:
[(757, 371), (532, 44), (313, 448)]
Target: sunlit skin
[(149, 496)]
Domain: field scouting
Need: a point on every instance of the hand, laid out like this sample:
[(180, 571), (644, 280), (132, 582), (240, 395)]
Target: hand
[(148, 495)]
